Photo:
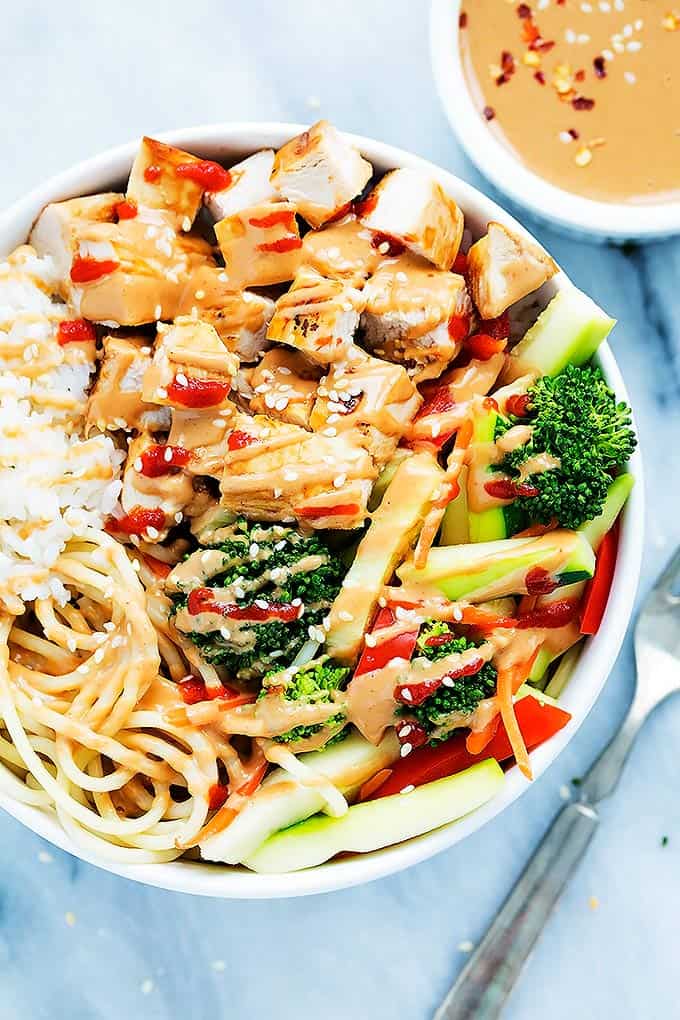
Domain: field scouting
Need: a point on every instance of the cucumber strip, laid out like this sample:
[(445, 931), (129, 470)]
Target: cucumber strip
[(379, 823), (562, 674), (454, 529)]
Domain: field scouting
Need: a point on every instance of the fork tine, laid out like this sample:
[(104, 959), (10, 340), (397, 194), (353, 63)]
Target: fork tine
[(670, 575)]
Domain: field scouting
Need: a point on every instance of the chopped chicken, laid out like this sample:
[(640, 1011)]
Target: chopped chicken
[(317, 316), (250, 185), (116, 399), (158, 180), (261, 245), (240, 317), (121, 274), (504, 267), (413, 208), (284, 386), (416, 314), (276, 471), (204, 435), (374, 399), (191, 367), (321, 172), (151, 487), (342, 251)]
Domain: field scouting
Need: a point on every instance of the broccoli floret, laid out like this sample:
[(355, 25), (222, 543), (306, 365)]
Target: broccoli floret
[(575, 418), (313, 684), (261, 563), (463, 695)]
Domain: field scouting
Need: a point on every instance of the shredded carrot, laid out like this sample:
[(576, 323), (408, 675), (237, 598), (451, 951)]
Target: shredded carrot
[(450, 490), (507, 679), (374, 783), (476, 742), (225, 816)]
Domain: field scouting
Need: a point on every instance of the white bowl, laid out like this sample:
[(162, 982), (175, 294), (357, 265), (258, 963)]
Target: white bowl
[(583, 217), (230, 142)]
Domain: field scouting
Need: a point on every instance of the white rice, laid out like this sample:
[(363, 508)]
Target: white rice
[(53, 482)]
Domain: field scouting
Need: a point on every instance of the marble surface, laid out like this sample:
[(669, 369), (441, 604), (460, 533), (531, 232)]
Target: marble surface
[(76, 943)]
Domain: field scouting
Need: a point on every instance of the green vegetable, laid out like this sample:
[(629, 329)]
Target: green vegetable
[(485, 570), (568, 331), (379, 823), (576, 419), (487, 525), (312, 684)]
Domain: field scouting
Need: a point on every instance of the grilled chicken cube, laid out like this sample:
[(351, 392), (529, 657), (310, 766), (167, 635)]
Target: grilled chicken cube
[(203, 434), (249, 185), (116, 398), (161, 178), (317, 316), (152, 482), (240, 317), (413, 208), (342, 251), (373, 399), (191, 367), (416, 315), (284, 386), (503, 268), (121, 274), (276, 471), (261, 245), (321, 172)]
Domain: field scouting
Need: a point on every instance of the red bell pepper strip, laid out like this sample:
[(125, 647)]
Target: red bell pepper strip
[(597, 590), (400, 646), (537, 722)]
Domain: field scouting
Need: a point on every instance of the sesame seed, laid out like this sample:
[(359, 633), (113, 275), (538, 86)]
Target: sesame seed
[(178, 517), (583, 157), (447, 681), (186, 224), (405, 749), (608, 55), (157, 312), (277, 492), (330, 432), (182, 379), (407, 696), (98, 655), (634, 46), (339, 481), (401, 277), (254, 550), (290, 476), (587, 8), (345, 616), (408, 789), (619, 5), (457, 614), (384, 247), (370, 640), (605, 6), (630, 77), (570, 36), (152, 533), (161, 393), (281, 404), (199, 295)]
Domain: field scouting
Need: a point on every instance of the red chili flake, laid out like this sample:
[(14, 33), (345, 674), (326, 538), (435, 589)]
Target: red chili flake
[(197, 392), (410, 735), (204, 172), (462, 19), (580, 75), (574, 133), (394, 247), (518, 404), (524, 11), (600, 67), (238, 440), (75, 331), (505, 488), (162, 459), (543, 45), (126, 210), (540, 77), (555, 614), (489, 404), (416, 693), (341, 510), (366, 207), (193, 690), (539, 582), (460, 263), (281, 246), (285, 217), (507, 62), (202, 600), (530, 33), (582, 103), (498, 328), (482, 347), (489, 113), (85, 269), (459, 327), (137, 521), (343, 211), (217, 795), (152, 173), (502, 79)]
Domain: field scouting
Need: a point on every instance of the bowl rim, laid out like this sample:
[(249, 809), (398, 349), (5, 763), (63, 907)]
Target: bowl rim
[(597, 657), (613, 221)]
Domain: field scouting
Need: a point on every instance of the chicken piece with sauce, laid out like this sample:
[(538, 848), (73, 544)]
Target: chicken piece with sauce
[(249, 184), (284, 386), (343, 251), (369, 400), (203, 434), (191, 367), (154, 480), (317, 316), (116, 399), (416, 315), (276, 471), (163, 177), (321, 172), (261, 245), (411, 207), (504, 267)]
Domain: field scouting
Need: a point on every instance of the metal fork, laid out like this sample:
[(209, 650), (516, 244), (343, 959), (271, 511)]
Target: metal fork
[(489, 976)]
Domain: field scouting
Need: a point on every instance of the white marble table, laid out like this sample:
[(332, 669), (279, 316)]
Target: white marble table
[(76, 943)]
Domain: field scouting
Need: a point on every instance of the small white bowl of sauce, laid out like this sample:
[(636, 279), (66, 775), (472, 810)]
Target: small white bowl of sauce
[(571, 108)]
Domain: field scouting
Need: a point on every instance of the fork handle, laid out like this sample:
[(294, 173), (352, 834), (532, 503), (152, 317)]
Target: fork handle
[(489, 976)]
